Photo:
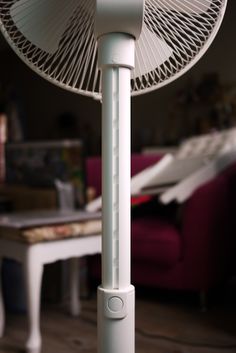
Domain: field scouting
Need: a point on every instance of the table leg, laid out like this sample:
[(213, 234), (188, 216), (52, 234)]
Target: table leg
[(75, 306), (2, 311), (33, 277)]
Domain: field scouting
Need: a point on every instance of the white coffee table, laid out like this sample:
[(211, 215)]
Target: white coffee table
[(34, 257)]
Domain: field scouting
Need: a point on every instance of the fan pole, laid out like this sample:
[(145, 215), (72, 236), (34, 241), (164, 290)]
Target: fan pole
[(116, 294)]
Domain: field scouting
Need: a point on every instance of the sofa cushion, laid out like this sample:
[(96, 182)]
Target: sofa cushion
[(155, 241), (140, 162)]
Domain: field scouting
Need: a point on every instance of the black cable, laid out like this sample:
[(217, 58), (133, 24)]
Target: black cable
[(167, 338)]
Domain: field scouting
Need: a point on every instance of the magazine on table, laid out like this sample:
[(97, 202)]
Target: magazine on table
[(175, 177)]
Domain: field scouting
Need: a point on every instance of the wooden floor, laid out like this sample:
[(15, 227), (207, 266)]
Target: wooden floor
[(165, 323)]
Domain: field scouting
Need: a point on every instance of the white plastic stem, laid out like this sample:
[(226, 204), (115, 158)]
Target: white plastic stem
[(116, 58), (116, 295), (116, 178)]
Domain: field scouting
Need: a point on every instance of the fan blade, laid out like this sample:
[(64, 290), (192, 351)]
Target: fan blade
[(151, 52), (185, 6), (43, 22)]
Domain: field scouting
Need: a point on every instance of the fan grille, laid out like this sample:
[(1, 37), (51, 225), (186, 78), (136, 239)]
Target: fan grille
[(176, 34), (187, 34)]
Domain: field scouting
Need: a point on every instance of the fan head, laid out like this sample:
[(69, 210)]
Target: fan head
[(56, 38)]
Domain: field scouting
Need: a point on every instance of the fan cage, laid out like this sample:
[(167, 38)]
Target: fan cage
[(74, 64)]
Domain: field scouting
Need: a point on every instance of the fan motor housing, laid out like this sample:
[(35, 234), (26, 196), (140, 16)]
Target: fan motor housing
[(117, 50), (122, 16)]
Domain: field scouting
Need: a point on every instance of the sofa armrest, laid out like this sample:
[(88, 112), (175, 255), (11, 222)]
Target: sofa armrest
[(205, 232)]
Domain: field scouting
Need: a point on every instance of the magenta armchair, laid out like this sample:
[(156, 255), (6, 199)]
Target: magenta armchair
[(188, 246)]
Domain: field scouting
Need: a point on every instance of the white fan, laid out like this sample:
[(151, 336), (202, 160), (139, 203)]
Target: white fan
[(109, 49)]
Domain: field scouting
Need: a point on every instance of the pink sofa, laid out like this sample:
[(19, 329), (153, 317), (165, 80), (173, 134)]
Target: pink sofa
[(189, 246)]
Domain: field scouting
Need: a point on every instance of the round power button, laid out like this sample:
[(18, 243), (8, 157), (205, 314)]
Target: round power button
[(115, 304)]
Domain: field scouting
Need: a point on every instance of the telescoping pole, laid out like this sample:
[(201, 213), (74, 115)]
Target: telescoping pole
[(116, 294)]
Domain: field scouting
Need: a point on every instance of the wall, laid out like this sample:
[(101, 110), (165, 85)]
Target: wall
[(42, 103), (220, 57)]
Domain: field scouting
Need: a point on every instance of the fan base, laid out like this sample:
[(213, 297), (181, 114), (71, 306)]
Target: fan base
[(116, 320)]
